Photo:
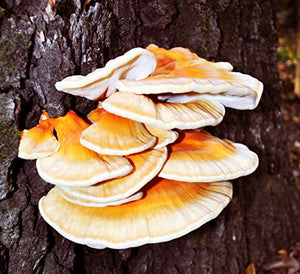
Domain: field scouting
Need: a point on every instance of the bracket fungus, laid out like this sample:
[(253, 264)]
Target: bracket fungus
[(135, 64), (168, 210), (201, 157), (38, 142), (114, 135), (146, 165), (162, 115), (195, 75), (144, 170), (73, 164)]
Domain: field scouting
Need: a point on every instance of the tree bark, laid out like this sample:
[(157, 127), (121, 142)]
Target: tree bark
[(42, 43), (297, 74)]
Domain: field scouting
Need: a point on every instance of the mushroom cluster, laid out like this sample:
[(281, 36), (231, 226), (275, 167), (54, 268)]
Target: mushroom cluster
[(143, 169)]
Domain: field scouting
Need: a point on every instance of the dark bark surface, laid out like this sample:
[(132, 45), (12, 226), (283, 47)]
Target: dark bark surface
[(41, 44)]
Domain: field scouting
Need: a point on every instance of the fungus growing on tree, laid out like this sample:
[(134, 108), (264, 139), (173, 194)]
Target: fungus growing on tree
[(73, 164), (146, 165), (190, 74), (162, 115), (201, 157), (38, 142), (135, 64), (143, 171), (168, 210), (114, 135)]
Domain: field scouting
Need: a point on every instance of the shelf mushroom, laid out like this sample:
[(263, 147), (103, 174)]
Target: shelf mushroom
[(74, 164), (114, 135), (168, 210), (162, 115), (146, 165), (38, 142), (181, 74), (128, 179), (201, 157), (136, 64)]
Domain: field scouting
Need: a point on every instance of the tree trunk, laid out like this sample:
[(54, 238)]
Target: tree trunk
[(297, 76), (41, 43)]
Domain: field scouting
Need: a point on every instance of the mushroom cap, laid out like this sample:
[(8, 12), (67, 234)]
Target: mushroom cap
[(39, 141), (75, 200), (165, 115), (168, 210), (115, 135), (201, 157), (135, 64), (164, 137), (165, 57), (74, 164), (146, 165), (182, 76)]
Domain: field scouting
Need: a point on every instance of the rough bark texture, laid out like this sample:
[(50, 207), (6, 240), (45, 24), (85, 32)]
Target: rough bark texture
[(40, 45)]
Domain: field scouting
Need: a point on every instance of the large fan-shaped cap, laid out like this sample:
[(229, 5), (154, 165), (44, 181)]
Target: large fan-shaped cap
[(165, 115), (135, 64), (39, 141), (164, 137), (146, 165), (115, 135), (201, 157), (191, 74), (78, 201), (74, 164), (168, 210)]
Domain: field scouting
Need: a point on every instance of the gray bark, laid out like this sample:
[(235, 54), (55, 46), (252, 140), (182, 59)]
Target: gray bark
[(40, 45)]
